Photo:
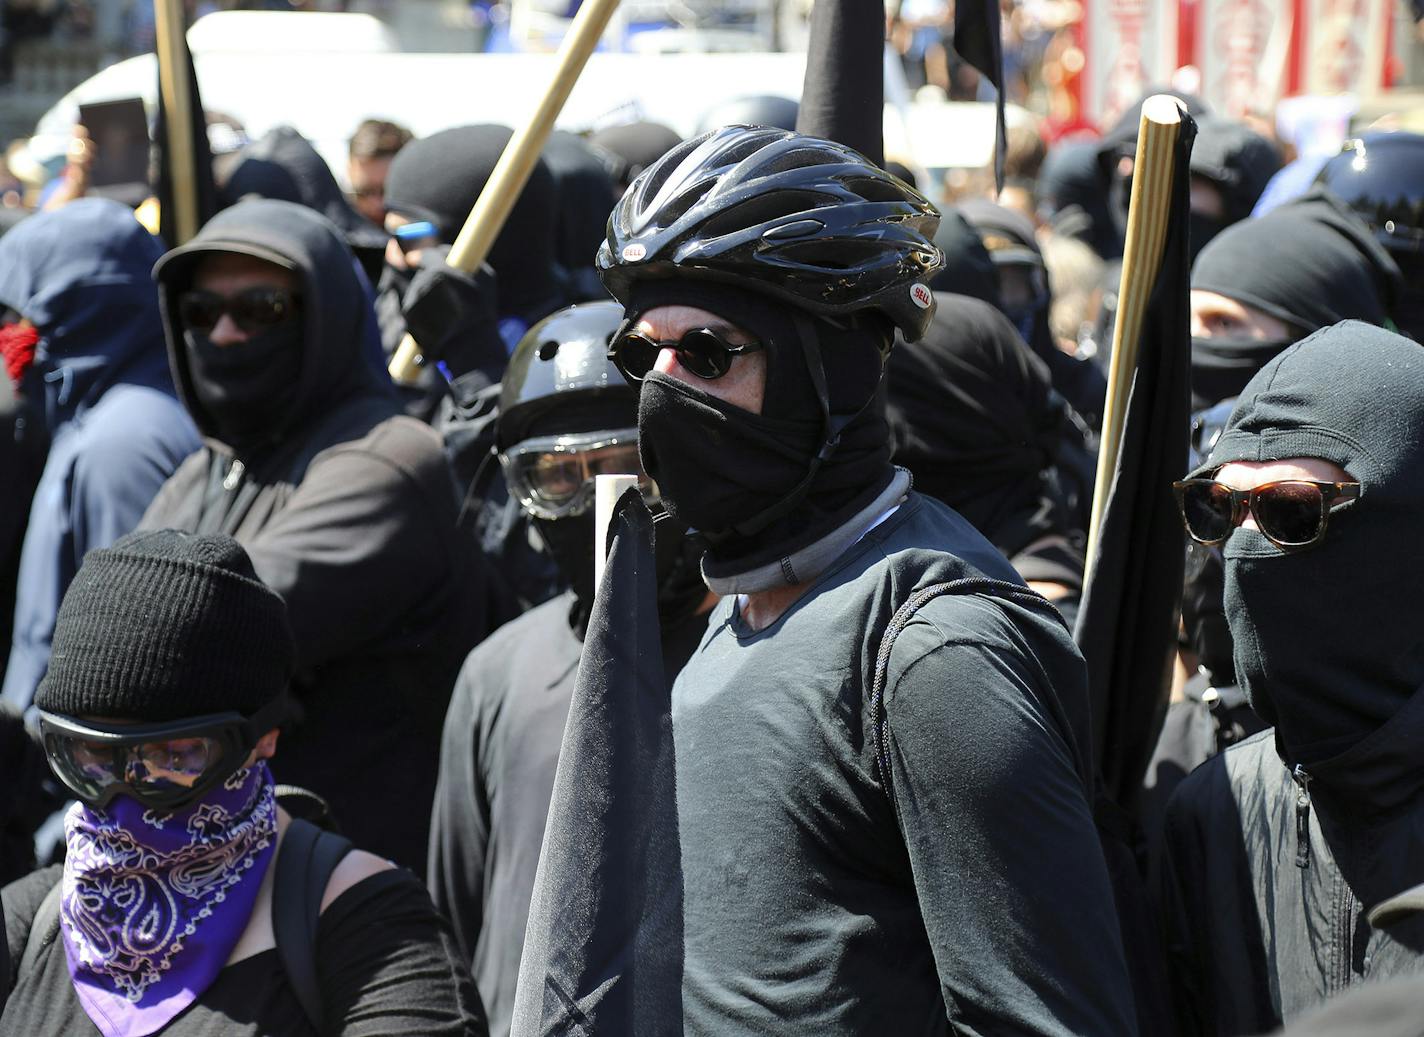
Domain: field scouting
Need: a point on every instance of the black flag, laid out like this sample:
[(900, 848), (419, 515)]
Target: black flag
[(1128, 621), (603, 947), (843, 95), (201, 170), (978, 40)]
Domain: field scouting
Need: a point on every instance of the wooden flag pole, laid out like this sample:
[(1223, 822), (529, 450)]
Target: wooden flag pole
[(472, 246), (177, 91), (1149, 210)]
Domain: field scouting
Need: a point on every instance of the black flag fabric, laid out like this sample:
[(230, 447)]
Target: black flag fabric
[(603, 947), (843, 94), (1128, 620), (201, 171), (978, 40)]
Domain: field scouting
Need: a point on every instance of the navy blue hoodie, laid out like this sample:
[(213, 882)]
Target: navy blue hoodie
[(100, 382)]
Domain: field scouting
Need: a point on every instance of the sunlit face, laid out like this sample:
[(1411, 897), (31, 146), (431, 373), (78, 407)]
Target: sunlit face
[(1247, 475), (368, 186), (744, 384), (1216, 316)]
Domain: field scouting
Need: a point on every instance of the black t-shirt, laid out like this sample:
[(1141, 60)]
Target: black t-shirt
[(979, 902), (385, 966)]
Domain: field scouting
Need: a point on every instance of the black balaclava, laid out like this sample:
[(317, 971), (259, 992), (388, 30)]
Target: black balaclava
[(253, 395), (967, 269), (1121, 141), (583, 189), (1310, 264), (975, 419), (438, 178), (722, 469), (1330, 639), (1239, 162)]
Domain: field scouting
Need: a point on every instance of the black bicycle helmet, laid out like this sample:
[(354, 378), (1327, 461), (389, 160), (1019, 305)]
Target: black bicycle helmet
[(561, 364), (800, 218), (1381, 176)]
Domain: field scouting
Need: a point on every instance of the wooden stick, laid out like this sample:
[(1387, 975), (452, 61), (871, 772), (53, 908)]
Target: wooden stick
[(1148, 213), (492, 208), (606, 491), (177, 93)]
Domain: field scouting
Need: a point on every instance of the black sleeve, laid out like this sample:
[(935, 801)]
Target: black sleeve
[(387, 965), (1004, 855), (21, 899), (1192, 1004), (460, 821)]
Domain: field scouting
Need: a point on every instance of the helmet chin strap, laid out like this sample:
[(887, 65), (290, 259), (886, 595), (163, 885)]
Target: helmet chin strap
[(834, 425)]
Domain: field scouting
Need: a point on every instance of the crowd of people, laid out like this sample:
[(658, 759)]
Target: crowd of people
[(290, 646)]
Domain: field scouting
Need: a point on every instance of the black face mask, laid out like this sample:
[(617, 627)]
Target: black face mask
[(1222, 366), (1203, 615), (1201, 228), (676, 555), (716, 465), (248, 388)]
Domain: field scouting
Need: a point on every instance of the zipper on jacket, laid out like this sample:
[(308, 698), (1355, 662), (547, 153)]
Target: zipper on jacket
[(234, 475), (1302, 816)]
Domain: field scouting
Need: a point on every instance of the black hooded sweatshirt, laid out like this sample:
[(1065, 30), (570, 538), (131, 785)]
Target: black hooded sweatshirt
[(348, 511), (1276, 849)]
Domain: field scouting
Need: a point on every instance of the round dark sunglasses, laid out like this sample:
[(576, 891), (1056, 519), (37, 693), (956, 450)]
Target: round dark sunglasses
[(254, 310), (1291, 513), (702, 351)]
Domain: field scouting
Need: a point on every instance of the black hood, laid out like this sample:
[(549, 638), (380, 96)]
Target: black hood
[(283, 165), (584, 193), (338, 361), (1071, 193), (975, 419), (1330, 639), (1237, 159), (628, 150)]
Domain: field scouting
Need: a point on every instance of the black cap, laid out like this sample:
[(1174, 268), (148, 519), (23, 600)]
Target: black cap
[(166, 625)]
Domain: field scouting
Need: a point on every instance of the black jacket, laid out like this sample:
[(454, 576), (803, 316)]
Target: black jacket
[(351, 518)]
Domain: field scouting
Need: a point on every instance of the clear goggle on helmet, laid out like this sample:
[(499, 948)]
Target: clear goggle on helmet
[(552, 476)]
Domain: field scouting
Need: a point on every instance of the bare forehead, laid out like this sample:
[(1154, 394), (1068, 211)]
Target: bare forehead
[(230, 270), (670, 322), (1243, 475)]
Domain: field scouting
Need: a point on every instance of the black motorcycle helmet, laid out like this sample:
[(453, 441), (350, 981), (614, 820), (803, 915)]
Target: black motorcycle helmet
[(561, 396), (1381, 176), (800, 218)]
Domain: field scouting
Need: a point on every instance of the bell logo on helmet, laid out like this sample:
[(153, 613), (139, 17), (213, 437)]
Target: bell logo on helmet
[(634, 252), (921, 296)]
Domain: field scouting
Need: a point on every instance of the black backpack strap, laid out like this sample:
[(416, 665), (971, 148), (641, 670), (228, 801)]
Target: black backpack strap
[(43, 930), (968, 585), (305, 861)]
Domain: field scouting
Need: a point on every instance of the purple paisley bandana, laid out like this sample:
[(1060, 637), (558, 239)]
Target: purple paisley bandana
[(153, 904)]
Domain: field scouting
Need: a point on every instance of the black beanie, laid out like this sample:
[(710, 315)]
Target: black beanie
[(167, 625)]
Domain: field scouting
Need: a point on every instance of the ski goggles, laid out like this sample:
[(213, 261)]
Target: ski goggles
[(254, 310), (162, 766), (1291, 513), (552, 477), (702, 351)]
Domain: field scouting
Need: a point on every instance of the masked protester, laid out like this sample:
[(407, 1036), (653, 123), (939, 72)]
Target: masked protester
[(582, 188), (1230, 167), (837, 877), (1276, 849), (159, 714), (967, 268), (1265, 283), (1026, 298), (629, 149), (566, 416), (1378, 176), (974, 419), (1070, 199), (83, 345), (345, 506)]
